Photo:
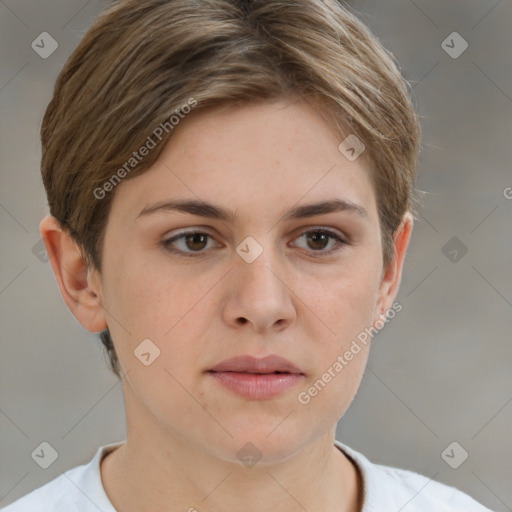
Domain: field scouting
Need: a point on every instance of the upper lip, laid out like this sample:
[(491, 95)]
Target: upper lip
[(250, 364)]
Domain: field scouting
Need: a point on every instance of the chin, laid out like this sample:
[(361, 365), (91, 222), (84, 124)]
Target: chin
[(261, 443)]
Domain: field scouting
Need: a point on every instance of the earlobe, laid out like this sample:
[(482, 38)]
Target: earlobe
[(392, 276), (80, 291)]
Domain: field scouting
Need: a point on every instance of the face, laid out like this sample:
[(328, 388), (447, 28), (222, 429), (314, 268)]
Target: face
[(259, 281)]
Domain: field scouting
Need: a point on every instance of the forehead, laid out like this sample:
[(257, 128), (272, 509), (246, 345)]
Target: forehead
[(256, 158)]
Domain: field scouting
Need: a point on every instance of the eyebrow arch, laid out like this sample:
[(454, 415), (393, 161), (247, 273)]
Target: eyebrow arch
[(205, 209)]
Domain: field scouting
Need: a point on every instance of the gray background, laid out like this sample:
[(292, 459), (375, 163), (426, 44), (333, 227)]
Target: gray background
[(439, 372)]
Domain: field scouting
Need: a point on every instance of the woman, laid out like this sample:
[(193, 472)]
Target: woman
[(231, 200)]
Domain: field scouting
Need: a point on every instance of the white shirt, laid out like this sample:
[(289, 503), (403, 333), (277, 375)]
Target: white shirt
[(385, 489)]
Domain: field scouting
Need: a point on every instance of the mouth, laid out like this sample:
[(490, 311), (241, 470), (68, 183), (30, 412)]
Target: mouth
[(272, 364), (255, 378)]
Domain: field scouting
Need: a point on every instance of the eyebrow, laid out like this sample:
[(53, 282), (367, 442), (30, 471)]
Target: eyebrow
[(205, 209)]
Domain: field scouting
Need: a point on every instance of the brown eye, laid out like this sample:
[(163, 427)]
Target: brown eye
[(318, 239), (196, 241), (189, 242)]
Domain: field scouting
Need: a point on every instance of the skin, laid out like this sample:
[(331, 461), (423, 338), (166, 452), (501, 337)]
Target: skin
[(183, 429)]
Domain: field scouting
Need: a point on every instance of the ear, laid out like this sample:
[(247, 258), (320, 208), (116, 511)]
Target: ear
[(79, 286), (392, 275)]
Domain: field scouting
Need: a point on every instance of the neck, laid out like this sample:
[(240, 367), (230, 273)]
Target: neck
[(141, 475)]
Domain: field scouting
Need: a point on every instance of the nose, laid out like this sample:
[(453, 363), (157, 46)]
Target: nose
[(259, 295)]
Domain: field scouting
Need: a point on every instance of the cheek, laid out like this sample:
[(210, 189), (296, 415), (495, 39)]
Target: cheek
[(344, 301), (345, 304), (341, 353), (339, 360), (172, 311), (139, 295)]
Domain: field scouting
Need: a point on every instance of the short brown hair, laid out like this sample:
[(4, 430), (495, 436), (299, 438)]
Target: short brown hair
[(141, 60)]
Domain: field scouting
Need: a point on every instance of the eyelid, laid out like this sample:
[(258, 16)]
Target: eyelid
[(331, 231), (166, 243), (341, 240)]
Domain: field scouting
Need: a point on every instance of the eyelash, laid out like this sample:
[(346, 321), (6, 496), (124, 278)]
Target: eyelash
[(331, 234)]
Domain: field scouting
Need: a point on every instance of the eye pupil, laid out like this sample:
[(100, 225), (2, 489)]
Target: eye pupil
[(197, 242), (194, 237), (316, 236)]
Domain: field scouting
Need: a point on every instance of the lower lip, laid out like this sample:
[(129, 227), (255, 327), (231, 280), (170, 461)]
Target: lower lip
[(259, 386)]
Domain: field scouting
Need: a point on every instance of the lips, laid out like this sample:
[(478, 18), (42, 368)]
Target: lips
[(257, 378), (249, 364)]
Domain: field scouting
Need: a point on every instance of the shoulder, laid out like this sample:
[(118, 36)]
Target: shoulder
[(77, 490), (57, 495), (393, 489)]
